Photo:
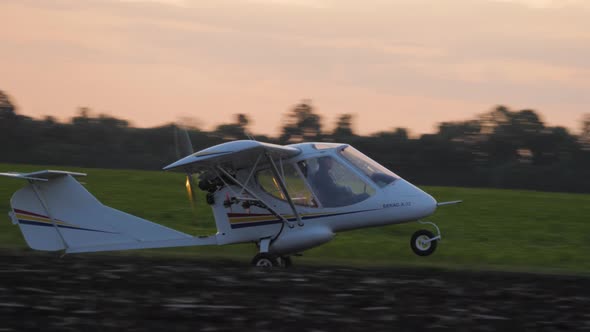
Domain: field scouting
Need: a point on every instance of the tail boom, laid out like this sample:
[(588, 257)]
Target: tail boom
[(55, 212)]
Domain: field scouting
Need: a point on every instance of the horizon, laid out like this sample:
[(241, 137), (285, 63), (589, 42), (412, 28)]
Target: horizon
[(408, 64), (193, 123)]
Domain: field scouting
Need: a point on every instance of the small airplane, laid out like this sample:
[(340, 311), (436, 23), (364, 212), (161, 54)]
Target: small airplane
[(285, 199)]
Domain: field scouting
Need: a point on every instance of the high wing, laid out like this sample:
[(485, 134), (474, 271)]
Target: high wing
[(244, 154), (238, 154)]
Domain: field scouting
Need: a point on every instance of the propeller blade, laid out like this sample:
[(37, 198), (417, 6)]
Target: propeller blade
[(182, 141), (184, 147)]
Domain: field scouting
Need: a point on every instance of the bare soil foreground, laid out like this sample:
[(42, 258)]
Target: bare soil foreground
[(97, 293)]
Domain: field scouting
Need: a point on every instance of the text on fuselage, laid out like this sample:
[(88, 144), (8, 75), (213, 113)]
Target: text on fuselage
[(397, 204)]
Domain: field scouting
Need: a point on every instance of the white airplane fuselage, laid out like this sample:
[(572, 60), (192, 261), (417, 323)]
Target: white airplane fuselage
[(395, 203), (287, 199)]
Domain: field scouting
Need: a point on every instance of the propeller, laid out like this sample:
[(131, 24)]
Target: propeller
[(190, 185), (184, 148)]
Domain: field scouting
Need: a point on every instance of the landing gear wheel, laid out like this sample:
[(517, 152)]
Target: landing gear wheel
[(286, 261), (265, 261), (420, 243)]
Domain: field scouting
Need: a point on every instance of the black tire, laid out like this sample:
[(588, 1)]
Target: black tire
[(286, 261), (423, 249), (264, 261)]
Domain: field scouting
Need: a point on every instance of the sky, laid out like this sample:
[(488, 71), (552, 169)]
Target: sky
[(391, 63)]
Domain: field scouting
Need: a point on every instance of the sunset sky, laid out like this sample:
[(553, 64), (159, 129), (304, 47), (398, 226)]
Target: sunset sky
[(410, 63)]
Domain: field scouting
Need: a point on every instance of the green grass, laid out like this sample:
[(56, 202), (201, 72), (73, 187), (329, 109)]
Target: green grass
[(493, 229)]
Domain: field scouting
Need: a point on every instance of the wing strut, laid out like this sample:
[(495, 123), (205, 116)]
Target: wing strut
[(284, 189), (251, 173), (226, 173)]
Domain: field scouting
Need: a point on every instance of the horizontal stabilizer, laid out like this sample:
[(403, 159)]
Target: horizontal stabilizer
[(44, 176)]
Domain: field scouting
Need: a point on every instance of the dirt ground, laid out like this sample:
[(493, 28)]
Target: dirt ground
[(97, 293)]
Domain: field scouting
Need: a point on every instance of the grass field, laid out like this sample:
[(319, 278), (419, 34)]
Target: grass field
[(493, 229)]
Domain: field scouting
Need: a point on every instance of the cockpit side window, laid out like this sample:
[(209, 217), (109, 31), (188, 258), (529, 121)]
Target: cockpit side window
[(296, 186), (379, 174), (334, 183)]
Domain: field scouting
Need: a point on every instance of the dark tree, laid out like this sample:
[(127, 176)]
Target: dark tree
[(234, 131), (585, 134), (303, 124), (501, 148), (7, 108), (242, 120), (83, 117), (343, 128), (508, 133)]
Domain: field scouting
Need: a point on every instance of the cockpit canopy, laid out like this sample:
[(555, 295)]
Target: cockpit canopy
[(341, 178), (373, 170)]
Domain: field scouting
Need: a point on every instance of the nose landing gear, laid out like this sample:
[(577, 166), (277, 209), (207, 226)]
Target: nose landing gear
[(424, 242)]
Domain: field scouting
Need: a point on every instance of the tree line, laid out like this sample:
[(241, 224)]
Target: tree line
[(501, 148)]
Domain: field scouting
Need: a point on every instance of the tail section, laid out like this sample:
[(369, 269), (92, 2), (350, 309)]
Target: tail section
[(55, 212)]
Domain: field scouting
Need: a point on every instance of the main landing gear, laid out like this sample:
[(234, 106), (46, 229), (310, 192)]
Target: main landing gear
[(424, 242), (267, 261)]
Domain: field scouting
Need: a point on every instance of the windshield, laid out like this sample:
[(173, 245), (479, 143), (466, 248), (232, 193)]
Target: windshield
[(379, 174), (334, 183)]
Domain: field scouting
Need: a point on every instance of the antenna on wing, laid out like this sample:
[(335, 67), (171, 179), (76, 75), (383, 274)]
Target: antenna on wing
[(250, 136)]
